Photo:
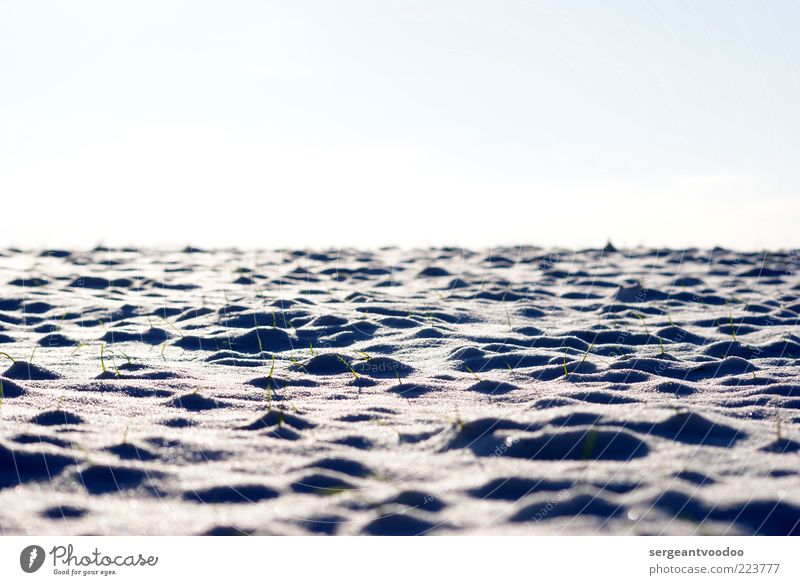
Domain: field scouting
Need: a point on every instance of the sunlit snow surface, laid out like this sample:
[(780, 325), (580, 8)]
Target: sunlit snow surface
[(514, 390)]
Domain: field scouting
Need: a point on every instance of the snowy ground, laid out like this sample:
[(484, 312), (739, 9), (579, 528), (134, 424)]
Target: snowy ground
[(514, 390)]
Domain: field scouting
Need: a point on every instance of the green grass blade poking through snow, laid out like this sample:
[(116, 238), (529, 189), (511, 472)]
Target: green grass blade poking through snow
[(102, 361), (588, 445), (644, 324), (510, 369), (586, 353), (349, 367), (258, 339), (470, 370), (271, 381)]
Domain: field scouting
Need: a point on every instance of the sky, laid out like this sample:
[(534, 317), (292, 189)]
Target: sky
[(412, 123)]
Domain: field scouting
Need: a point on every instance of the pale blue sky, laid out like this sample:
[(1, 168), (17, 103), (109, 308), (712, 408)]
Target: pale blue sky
[(369, 123)]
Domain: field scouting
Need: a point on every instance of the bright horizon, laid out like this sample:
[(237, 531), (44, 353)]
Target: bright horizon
[(303, 124)]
